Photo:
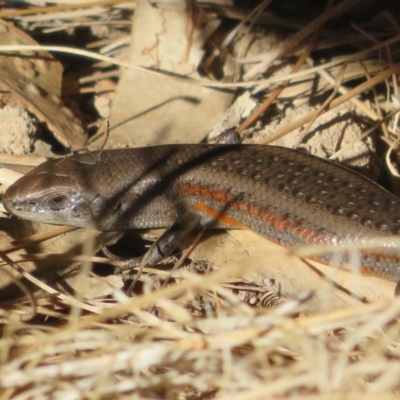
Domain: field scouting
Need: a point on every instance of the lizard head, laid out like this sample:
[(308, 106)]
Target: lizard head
[(51, 193)]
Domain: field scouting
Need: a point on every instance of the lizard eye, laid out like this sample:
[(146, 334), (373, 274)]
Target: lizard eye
[(57, 202)]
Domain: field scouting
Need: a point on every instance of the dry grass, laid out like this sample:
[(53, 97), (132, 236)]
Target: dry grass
[(152, 346)]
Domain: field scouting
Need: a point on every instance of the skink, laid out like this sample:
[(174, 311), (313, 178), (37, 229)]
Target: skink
[(288, 196)]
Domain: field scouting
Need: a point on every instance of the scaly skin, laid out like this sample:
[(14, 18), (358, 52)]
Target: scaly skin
[(290, 197)]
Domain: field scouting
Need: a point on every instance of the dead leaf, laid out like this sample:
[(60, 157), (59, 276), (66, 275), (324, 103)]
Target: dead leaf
[(32, 81), (156, 109)]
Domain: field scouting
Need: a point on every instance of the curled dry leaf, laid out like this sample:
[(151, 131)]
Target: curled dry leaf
[(32, 81)]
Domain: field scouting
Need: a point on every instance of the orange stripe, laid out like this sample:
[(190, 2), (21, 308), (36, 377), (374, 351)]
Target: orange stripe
[(223, 218), (258, 212), (264, 216)]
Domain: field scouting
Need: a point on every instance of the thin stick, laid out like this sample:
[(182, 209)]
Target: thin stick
[(335, 103)]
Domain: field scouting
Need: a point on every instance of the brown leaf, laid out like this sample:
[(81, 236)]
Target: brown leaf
[(32, 80)]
